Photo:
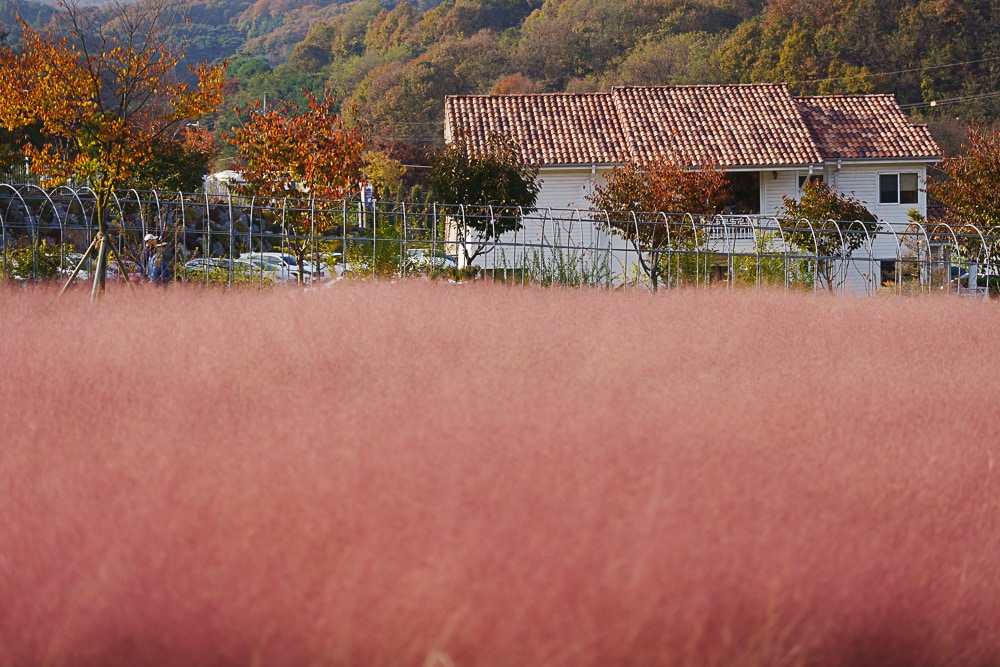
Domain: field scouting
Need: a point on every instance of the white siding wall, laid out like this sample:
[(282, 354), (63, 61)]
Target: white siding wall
[(861, 182), (567, 188), (786, 183), (857, 180), (564, 190), (556, 228)]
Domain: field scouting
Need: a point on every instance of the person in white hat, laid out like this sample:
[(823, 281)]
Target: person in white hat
[(147, 257)]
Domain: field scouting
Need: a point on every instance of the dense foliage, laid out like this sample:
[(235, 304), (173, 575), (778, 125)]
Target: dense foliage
[(969, 188), (494, 189), (314, 150), (287, 153), (101, 88), (831, 224), (397, 60), (646, 204)]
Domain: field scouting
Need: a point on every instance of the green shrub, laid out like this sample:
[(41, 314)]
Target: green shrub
[(35, 261)]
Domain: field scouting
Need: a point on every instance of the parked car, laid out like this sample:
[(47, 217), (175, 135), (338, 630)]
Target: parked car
[(72, 259), (218, 269), (288, 265), (274, 263), (426, 259), (69, 263)]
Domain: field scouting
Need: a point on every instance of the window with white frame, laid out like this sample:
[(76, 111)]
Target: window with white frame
[(898, 188)]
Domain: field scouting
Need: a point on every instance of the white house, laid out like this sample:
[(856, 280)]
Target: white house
[(769, 141)]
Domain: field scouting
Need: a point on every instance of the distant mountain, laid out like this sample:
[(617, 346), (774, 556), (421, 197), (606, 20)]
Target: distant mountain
[(35, 13), (221, 28), (396, 61)]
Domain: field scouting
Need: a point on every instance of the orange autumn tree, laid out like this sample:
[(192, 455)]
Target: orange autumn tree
[(648, 204), (102, 86), (969, 188), (298, 157)]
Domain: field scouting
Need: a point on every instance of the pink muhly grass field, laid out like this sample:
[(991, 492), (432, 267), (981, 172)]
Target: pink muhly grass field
[(448, 475)]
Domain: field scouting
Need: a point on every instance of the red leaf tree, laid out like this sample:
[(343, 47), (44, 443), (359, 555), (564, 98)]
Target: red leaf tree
[(288, 155), (970, 190), (646, 204)]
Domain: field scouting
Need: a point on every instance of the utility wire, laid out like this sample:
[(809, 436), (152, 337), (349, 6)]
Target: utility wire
[(900, 71), (951, 100)]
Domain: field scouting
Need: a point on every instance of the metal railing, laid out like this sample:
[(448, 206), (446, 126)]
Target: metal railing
[(46, 233)]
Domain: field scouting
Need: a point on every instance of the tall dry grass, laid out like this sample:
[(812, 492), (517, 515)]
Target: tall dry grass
[(429, 474)]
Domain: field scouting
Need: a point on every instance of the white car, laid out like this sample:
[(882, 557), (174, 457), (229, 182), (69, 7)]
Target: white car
[(287, 265), (425, 259), (71, 260), (215, 268), (274, 263)]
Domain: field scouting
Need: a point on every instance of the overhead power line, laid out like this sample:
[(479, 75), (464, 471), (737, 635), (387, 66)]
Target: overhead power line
[(951, 100), (899, 71)]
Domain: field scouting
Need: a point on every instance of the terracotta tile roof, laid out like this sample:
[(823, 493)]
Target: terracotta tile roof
[(865, 127), (730, 125), (746, 125), (551, 129)]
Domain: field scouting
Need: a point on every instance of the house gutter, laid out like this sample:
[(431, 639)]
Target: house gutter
[(885, 160)]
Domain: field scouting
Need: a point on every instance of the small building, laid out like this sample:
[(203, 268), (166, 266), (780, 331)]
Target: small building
[(769, 141), (218, 184)]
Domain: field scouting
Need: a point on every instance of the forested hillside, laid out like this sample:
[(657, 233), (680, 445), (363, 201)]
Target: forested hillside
[(939, 57), (396, 61)]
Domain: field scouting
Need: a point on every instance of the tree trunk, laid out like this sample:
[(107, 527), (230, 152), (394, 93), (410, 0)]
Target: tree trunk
[(101, 267), (101, 270)]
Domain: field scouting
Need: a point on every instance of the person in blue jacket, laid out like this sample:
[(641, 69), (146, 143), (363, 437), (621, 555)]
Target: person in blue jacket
[(155, 268)]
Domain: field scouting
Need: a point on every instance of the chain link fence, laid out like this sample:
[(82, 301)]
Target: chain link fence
[(225, 239)]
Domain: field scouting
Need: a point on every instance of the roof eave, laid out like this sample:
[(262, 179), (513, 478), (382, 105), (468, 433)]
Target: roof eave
[(885, 160)]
